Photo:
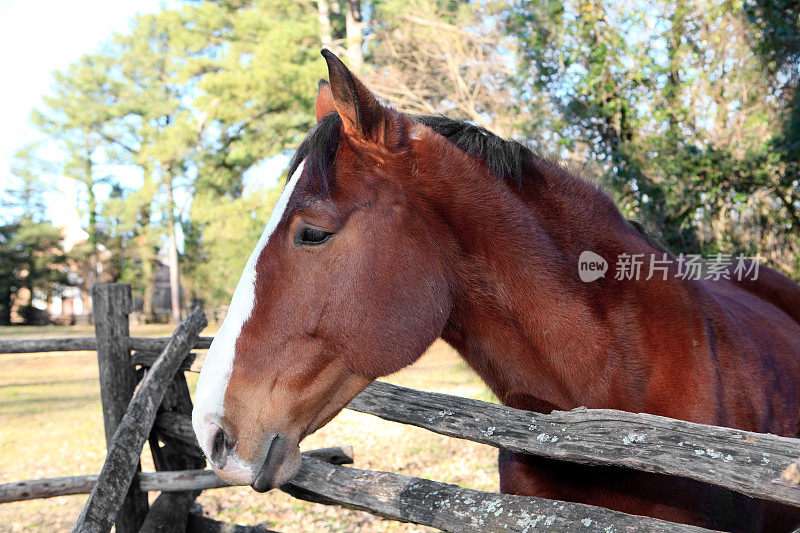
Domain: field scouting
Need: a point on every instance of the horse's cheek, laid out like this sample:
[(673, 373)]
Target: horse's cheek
[(405, 312)]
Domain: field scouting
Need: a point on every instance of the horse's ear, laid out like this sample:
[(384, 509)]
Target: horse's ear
[(360, 110), (324, 105)]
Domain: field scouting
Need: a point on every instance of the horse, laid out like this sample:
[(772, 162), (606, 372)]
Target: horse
[(395, 230)]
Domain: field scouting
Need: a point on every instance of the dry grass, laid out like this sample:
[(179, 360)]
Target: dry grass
[(51, 424)]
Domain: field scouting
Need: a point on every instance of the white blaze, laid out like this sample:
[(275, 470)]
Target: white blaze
[(216, 371)]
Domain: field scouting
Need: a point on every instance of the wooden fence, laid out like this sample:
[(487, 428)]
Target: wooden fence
[(757, 465)]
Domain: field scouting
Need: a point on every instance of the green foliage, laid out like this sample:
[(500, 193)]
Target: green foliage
[(673, 106), (31, 258), (689, 111), (193, 98), (26, 196), (256, 89), (230, 228)]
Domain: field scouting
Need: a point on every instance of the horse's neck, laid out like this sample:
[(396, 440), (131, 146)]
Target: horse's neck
[(522, 317)]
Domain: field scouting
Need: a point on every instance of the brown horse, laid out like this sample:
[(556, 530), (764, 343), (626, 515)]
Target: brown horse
[(398, 230)]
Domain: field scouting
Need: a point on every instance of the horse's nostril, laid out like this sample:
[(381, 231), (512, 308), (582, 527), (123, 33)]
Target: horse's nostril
[(220, 445)]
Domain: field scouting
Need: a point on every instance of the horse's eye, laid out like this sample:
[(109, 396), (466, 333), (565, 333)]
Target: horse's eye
[(311, 236)]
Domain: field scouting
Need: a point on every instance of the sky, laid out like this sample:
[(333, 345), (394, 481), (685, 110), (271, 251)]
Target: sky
[(38, 38)]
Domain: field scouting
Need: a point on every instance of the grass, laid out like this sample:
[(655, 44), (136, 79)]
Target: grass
[(51, 424)]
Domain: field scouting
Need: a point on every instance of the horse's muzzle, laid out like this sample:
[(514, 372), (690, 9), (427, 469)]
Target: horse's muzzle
[(274, 449)]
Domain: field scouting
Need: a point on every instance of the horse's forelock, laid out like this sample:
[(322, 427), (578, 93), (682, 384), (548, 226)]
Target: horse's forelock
[(318, 150)]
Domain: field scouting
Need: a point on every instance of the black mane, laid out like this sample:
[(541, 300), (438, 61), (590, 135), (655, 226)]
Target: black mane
[(504, 157)]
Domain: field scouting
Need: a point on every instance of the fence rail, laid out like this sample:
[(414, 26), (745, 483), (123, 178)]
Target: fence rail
[(407, 499), (80, 344), (749, 463), (742, 461)]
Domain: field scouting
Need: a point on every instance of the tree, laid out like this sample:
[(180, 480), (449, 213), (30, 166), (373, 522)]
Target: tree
[(341, 29), (777, 27), (9, 281), (673, 107), (26, 196), (255, 91), (70, 117), (449, 58), (193, 98), (31, 259), (31, 256), (127, 101)]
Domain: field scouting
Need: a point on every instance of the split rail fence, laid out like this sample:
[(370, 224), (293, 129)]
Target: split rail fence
[(145, 398)]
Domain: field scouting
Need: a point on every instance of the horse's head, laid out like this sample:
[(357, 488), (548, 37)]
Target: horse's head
[(346, 284)]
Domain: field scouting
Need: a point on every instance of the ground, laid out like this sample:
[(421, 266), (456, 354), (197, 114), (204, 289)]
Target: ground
[(51, 424)]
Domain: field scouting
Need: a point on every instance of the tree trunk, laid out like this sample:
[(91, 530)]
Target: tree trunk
[(88, 180), (86, 299), (93, 268), (324, 16), (174, 271), (5, 309), (354, 26), (146, 250), (147, 280)]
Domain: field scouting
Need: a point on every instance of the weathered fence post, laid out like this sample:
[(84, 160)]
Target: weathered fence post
[(113, 484), (170, 511), (112, 303)]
